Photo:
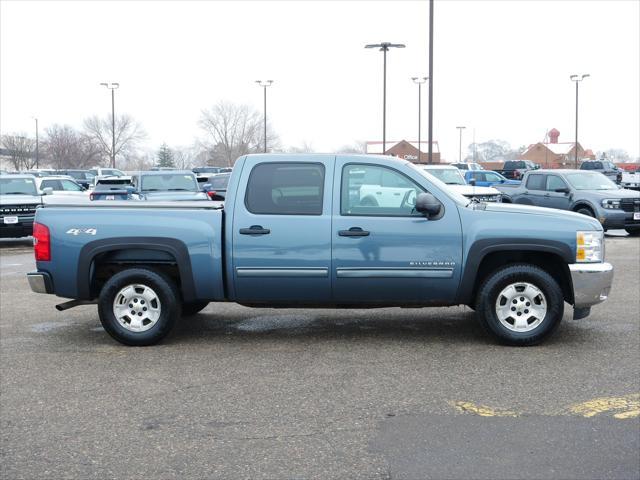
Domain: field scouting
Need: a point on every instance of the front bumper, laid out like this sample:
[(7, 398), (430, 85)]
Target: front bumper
[(591, 283), (40, 282)]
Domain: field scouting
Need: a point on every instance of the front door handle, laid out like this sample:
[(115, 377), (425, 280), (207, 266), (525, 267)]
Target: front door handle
[(255, 230), (353, 232)]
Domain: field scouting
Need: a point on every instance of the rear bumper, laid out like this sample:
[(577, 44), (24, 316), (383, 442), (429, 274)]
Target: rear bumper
[(40, 282), (591, 283)]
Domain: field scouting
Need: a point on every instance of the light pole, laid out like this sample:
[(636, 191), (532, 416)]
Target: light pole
[(430, 158), (113, 86), (264, 84), (419, 81), (577, 79), (460, 146), (384, 47), (37, 144)]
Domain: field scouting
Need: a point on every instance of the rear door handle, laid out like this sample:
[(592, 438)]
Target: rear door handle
[(255, 230), (353, 232)]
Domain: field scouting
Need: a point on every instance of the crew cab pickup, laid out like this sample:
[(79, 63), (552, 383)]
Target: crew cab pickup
[(589, 193), (294, 232), (515, 169)]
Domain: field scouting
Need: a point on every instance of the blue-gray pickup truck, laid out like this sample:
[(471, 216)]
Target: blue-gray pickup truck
[(294, 231)]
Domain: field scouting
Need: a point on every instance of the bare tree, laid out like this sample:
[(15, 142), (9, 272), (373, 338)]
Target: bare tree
[(356, 147), (64, 148), (128, 134), (232, 131), (185, 158), (21, 151), (306, 147)]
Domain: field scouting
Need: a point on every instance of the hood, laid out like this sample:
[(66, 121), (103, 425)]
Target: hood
[(468, 190), (20, 200), (542, 211), (175, 196), (622, 193)]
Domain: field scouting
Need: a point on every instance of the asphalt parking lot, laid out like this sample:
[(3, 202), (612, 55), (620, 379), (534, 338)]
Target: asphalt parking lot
[(236, 392)]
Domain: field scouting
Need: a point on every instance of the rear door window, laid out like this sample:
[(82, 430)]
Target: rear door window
[(554, 182), (536, 182), (285, 188)]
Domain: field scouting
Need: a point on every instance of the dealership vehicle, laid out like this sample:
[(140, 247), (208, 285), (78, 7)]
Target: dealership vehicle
[(630, 180), (453, 178), (167, 186), (468, 166), (216, 185), (114, 188), (83, 177), (107, 172), (293, 232), (515, 169), (60, 185), (605, 167), (589, 193), (487, 178), (19, 198)]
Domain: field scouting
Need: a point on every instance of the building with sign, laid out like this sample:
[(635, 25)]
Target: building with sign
[(554, 154), (407, 150)]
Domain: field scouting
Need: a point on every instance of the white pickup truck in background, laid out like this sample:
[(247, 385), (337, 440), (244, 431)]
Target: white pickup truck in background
[(631, 180)]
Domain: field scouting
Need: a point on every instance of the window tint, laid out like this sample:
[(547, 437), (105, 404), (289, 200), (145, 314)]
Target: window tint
[(219, 181), (374, 190), (70, 186), (169, 182), (553, 182), (54, 184), (535, 182), (285, 189)]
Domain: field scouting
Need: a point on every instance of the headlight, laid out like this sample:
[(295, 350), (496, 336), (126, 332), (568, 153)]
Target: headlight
[(589, 247), (611, 203)]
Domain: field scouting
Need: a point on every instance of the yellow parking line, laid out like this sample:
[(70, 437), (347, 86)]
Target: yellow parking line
[(622, 408), (627, 406), (482, 410)]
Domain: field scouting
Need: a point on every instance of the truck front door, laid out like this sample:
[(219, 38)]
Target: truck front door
[(282, 231), (385, 252)]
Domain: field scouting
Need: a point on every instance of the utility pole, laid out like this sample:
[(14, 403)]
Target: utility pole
[(430, 160), (460, 146), (37, 145)]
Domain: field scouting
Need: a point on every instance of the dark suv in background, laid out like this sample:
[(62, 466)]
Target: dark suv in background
[(605, 167)]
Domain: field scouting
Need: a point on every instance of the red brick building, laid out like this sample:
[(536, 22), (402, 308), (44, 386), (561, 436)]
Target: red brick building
[(406, 150), (555, 154)]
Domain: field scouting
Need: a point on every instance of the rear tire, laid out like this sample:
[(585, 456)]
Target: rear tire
[(634, 232), (191, 308), (139, 306), (520, 304)]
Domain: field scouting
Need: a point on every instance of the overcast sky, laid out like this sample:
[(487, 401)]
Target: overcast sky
[(501, 68)]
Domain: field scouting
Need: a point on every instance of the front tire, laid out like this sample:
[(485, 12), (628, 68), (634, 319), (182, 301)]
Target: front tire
[(138, 306), (634, 232), (520, 304)]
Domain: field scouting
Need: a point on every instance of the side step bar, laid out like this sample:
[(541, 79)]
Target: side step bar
[(74, 303)]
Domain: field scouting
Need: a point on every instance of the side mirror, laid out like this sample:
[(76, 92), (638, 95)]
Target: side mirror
[(207, 187), (47, 191), (472, 182), (428, 205), (562, 190)]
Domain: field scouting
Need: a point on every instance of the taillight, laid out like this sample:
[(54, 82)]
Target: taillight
[(211, 193), (41, 242)]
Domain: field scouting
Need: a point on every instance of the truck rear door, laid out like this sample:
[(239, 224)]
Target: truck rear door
[(282, 230)]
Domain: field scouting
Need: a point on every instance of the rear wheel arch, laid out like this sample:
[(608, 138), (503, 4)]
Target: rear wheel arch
[(104, 257)]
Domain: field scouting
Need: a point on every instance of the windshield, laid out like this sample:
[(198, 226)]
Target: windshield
[(590, 181), (170, 182), (17, 186), (458, 198), (449, 176)]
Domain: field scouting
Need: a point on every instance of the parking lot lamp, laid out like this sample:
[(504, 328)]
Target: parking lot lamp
[(37, 144), (264, 84), (384, 47), (577, 79), (460, 145), (419, 81), (113, 86)]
